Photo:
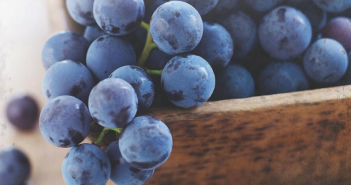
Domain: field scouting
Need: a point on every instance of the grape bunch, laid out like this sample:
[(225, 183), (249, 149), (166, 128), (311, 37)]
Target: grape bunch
[(139, 54)]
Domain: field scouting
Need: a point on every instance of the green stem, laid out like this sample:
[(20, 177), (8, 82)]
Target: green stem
[(117, 130), (149, 46), (101, 136), (153, 72)]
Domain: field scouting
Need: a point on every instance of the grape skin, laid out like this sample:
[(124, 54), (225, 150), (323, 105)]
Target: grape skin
[(141, 82), (122, 172), (224, 7), (326, 61), (216, 46), (107, 53), (285, 33), (234, 82), (146, 143), (188, 81), (91, 33), (243, 31), (339, 30), (113, 103), (14, 166), (202, 6), (151, 8), (81, 11), (23, 112), (262, 5), (176, 27), (157, 59), (68, 78), (119, 17), (65, 121), (282, 77), (64, 46), (86, 164), (333, 5)]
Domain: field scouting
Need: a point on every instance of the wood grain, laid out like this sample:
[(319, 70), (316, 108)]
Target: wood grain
[(292, 139)]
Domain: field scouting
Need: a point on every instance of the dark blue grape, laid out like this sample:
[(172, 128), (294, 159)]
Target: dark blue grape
[(108, 53), (282, 77), (14, 167), (326, 61), (234, 82), (122, 172), (68, 78), (86, 164), (81, 11), (146, 143), (216, 46), (113, 103), (91, 33), (333, 5), (151, 8), (316, 16), (65, 121), (157, 59), (188, 81), (141, 82), (202, 6), (285, 33), (119, 17), (224, 7), (262, 5), (243, 31), (64, 46), (23, 112), (176, 27)]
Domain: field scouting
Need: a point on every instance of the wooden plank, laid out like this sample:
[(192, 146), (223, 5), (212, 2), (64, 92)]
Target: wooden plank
[(291, 139)]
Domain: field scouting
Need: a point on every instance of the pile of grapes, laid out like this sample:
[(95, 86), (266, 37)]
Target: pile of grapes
[(137, 54)]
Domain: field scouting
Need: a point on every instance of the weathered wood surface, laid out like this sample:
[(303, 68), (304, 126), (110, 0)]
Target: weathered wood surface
[(290, 139)]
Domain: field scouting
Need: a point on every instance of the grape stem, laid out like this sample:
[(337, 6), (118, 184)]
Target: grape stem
[(103, 134), (149, 45), (153, 72)]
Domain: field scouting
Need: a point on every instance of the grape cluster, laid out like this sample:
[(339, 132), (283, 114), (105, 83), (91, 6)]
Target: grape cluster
[(137, 54)]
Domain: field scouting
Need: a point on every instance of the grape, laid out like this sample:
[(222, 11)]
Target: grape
[(202, 6), (64, 46), (176, 27), (68, 78), (282, 77), (224, 7), (151, 8), (233, 82), (339, 30), (157, 59), (108, 53), (325, 61), (65, 121), (14, 166), (119, 17), (333, 5), (216, 46), (81, 11), (146, 143), (188, 81), (91, 33), (86, 164), (285, 33), (122, 172), (141, 82), (316, 16), (23, 112), (262, 5), (243, 31), (113, 103)]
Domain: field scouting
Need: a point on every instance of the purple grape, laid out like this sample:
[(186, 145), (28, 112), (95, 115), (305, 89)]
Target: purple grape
[(113, 103), (92, 33), (202, 6), (81, 11), (23, 112), (333, 5)]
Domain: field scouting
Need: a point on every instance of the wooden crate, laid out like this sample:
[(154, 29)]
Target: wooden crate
[(289, 139)]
